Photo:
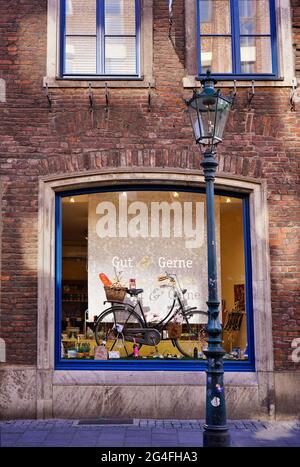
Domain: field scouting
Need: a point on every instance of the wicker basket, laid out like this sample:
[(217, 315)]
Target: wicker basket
[(174, 330), (115, 294)]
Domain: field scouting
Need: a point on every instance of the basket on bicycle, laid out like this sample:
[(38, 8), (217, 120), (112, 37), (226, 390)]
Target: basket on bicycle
[(174, 330), (115, 294), (114, 291)]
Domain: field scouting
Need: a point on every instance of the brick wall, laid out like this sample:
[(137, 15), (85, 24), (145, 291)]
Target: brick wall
[(261, 143)]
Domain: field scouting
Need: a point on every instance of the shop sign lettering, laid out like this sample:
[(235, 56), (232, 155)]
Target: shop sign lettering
[(163, 263), (154, 220)]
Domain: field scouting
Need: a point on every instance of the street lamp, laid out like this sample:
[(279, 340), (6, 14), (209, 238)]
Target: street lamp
[(208, 112)]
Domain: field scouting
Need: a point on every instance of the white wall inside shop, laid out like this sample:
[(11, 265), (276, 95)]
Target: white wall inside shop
[(126, 231)]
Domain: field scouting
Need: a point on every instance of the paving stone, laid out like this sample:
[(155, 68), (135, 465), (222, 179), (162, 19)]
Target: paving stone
[(138, 444), (151, 423), (146, 432), (83, 443), (143, 423), (111, 444), (30, 435), (111, 439), (195, 444), (158, 438), (169, 444), (189, 437), (59, 444)]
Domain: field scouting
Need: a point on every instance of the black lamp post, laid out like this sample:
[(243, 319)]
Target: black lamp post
[(208, 113)]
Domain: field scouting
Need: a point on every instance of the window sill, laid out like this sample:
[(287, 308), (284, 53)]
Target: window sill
[(144, 365), (100, 82), (190, 81)]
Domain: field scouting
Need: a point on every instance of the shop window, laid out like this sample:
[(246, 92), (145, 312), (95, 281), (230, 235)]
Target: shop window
[(100, 37), (131, 275), (237, 37)]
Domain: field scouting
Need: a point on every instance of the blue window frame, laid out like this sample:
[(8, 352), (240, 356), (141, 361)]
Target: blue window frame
[(237, 38), (100, 38), (180, 365)]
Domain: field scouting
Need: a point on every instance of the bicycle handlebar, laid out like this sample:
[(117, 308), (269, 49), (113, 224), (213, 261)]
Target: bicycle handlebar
[(172, 278), (166, 276)]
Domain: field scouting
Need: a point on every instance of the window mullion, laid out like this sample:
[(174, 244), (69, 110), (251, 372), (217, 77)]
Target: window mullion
[(137, 37), (235, 32), (273, 31), (198, 45), (100, 37), (62, 64)]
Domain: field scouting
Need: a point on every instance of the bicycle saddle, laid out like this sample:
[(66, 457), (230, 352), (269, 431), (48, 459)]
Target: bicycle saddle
[(134, 292)]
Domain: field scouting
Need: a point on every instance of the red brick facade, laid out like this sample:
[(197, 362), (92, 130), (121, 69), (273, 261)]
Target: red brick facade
[(263, 142)]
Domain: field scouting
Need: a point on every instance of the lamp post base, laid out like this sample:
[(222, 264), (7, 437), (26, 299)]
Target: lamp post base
[(216, 437)]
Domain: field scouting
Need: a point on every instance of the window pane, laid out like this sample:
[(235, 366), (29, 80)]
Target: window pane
[(120, 55), (112, 241), (233, 278), (81, 17), (80, 55), (254, 16), (215, 17), (120, 17), (256, 56), (216, 54)]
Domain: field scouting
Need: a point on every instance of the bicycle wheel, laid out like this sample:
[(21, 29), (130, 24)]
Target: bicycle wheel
[(193, 336), (111, 326)]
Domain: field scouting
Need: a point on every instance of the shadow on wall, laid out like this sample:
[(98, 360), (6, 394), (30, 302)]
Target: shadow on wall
[(176, 30)]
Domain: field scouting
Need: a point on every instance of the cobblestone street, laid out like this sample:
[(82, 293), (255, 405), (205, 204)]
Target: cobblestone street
[(143, 433)]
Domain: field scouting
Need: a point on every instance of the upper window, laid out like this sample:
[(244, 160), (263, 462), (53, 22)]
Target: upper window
[(237, 37), (100, 37)]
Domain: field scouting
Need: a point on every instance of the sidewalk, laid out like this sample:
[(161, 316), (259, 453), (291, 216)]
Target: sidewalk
[(144, 433)]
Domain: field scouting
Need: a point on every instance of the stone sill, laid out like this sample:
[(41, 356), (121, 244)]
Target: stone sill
[(16, 367), (190, 82), (98, 83)]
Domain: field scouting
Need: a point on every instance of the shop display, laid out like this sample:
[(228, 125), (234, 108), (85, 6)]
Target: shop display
[(115, 291), (105, 280), (136, 238), (113, 354), (135, 349), (101, 352), (174, 330)]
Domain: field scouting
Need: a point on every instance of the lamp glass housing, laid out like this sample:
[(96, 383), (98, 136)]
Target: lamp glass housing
[(208, 112)]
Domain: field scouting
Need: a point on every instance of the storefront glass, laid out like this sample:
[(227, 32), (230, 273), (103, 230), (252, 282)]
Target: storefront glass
[(132, 276)]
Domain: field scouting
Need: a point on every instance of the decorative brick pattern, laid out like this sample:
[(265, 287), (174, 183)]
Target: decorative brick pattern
[(263, 143)]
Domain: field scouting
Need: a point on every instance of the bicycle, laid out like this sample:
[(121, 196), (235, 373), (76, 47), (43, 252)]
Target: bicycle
[(121, 326)]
